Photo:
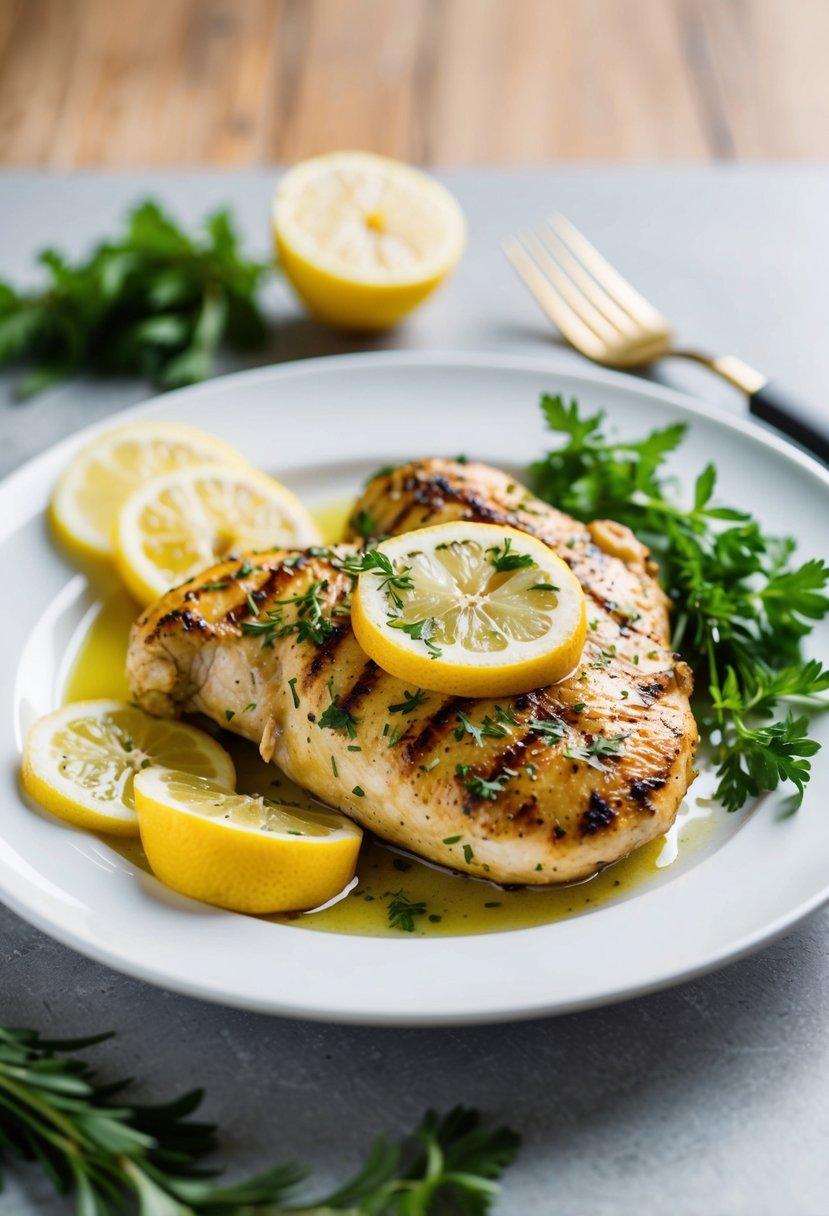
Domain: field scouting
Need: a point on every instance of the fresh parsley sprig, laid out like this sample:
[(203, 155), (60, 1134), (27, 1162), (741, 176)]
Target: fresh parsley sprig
[(741, 608), (105, 1153), (156, 302)]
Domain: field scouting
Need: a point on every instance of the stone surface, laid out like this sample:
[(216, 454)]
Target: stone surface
[(709, 1097)]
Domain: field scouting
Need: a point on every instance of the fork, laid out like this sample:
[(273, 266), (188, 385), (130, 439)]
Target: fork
[(605, 318)]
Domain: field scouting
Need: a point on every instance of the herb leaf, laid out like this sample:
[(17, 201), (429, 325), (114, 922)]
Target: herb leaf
[(154, 302), (741, 608), (504, 560), (52, 1112)]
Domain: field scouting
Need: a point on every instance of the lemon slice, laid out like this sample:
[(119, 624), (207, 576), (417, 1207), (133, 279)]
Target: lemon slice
[(80, 761), (101, 475), (241, 851), (469, 609), (363, 239), (183, 521)]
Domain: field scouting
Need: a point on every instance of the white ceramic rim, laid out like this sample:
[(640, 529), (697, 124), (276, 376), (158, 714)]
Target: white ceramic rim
[(477, 998)]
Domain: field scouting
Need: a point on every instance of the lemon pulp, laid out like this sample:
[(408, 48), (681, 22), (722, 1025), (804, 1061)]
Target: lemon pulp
[(469, 609), (363, 239), (102, 474), (80, 762), (184, 521)]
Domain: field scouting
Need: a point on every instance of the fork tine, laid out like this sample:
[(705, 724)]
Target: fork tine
[(569, 324), (625, 296), (590, 288), (569, 291)]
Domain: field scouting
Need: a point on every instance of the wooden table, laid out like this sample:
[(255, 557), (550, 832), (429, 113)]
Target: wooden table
[(245, 82)]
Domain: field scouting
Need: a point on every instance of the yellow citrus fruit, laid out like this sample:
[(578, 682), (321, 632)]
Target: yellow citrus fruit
[(188, 519), (363, 239), (102, 474), (474, 610), (241, 851), (80, 762)]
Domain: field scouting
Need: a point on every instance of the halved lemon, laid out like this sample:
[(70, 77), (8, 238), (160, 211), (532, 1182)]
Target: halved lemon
[(241, 851), (80, 762), (101, 475), (474, 610), (363, 239), (188, 519)]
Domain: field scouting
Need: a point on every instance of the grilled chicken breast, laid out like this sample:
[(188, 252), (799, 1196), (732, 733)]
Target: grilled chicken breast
[(572, 777)]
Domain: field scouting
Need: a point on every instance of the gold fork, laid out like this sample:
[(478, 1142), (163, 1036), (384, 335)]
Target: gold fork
[(605, 318)]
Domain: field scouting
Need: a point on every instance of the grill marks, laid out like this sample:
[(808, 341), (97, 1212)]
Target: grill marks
[(363, 686), (434, 729), (426, 493)]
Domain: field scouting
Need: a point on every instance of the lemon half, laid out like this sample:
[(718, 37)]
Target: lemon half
[(241, 851), (470, 609), (363, 239), (80, 762), (189, 519), (102, 474)]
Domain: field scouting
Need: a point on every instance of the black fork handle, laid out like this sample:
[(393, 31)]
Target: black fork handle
[(802, 420)]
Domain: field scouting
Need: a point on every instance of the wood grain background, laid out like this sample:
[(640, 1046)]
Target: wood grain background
[(241, 82)]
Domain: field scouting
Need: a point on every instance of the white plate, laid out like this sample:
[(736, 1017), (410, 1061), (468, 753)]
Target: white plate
[(322, 425)]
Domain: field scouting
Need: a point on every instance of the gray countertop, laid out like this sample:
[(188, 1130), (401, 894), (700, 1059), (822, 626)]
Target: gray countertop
[(711, 1097)]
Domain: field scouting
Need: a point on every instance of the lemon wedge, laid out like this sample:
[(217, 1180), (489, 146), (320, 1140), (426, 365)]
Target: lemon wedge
[(102, 474), (80, 762), (183, 521), (469, 609), (241, 851), (363, 239)]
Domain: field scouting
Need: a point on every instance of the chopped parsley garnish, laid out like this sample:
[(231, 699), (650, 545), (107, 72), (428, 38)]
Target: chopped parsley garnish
[(550, 729), (421, 631), (217, 586), (468, 855), (599, 747), (358, 792), (251, 705), (450, 840), (543, 587), (229, 714), (411, 701), (402, 911), (504, 560), (335, 717), (308, 622), (481, 787), (395, 737), (391, 581), (334, 768), (292, 686), (427, 768), (487, 729)]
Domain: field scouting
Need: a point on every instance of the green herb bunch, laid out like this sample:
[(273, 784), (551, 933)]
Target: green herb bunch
[(107, 1153), (741, 608), (156, 302)]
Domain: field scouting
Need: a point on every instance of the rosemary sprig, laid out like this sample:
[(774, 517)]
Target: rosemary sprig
[(106, 1153)]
